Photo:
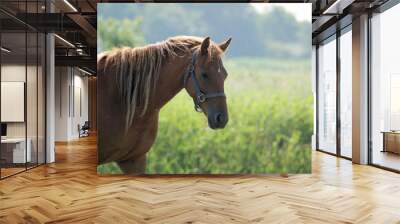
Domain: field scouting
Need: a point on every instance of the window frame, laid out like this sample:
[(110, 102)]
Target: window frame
[(334, 37)]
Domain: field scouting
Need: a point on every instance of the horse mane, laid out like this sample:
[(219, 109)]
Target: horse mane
[(137, 69)]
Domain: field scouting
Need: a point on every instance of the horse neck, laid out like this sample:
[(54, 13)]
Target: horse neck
[(170, 80)]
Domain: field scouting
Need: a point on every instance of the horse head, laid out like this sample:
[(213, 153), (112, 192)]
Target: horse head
[(205, 82)]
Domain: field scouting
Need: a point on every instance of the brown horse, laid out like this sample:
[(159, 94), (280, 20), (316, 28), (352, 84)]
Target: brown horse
[(135, 83)]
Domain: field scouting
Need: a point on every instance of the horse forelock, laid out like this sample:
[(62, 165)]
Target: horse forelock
[(137, 69)]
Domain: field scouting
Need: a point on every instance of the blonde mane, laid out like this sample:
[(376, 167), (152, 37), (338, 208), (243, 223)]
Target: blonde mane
[(137, 69)]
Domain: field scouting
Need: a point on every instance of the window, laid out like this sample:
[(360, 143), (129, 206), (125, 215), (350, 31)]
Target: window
[(327, 96), (314, 86), (385, 89), (346, 93)]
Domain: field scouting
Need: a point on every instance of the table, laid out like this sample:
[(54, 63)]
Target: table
[(391, 141), (13, 150)]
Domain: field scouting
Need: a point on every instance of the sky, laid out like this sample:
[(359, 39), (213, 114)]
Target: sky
[(302, 11)]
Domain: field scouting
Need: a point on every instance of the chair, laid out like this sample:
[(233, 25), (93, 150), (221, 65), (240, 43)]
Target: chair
[(84, 130)]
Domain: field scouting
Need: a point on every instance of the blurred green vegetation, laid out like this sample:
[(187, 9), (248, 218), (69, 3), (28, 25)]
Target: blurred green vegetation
[(113, 33), (109, 168), (269, 128)]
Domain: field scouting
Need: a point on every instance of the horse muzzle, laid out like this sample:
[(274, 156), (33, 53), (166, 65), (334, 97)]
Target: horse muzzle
[(217, 120)]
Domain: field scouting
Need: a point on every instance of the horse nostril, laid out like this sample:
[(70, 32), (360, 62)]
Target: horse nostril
[(219, 118)]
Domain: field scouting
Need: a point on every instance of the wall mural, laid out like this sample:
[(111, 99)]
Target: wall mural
[(204, 88)]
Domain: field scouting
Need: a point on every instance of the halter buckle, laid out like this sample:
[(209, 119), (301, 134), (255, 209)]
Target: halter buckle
[(201, 98)]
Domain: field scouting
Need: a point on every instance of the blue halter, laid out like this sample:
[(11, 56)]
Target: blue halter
[(200, 97)]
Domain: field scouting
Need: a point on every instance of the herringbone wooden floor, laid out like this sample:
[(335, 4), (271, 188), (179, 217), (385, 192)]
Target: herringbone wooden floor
[(70, 191)]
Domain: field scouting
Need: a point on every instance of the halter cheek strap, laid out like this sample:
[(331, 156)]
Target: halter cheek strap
[(200, 97)]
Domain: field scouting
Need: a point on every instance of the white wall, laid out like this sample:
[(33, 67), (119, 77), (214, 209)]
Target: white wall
[(61, 103), (71, 93), (80, 109), (16, 73)]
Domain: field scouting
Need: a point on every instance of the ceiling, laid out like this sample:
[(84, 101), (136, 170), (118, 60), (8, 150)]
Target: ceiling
[(330, 15), (74, 22), (18, 53)]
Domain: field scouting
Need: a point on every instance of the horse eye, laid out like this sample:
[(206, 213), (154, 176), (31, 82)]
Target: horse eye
[(204, 75)]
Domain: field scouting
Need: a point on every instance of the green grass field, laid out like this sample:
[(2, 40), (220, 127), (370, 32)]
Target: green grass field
[(269, 131)]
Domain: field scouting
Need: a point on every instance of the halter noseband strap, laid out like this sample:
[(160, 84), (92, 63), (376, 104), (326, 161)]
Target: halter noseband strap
[(200, 97)]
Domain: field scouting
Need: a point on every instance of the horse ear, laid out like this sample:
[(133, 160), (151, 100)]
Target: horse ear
[(224, 45), (204, 46)]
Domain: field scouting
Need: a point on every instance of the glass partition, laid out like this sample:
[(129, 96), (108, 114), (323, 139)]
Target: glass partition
[(327, 96), (22, 88), (14, 153)]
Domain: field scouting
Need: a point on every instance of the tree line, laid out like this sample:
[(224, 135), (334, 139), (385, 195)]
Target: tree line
[(275, 34)]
